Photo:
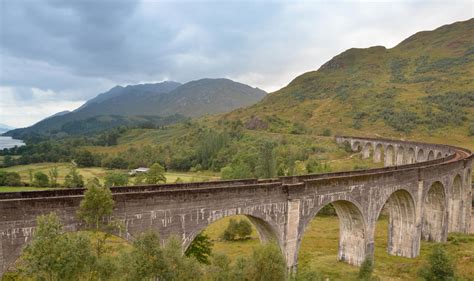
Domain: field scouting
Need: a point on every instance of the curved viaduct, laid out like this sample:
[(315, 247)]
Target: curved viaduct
[(425, 188)]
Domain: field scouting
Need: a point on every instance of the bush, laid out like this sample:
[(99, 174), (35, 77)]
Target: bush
[(241, 229), (327, 132), (200, 248), (73, 179), (471, 130), (116, 179), (366, 270), (41, 179), (439, 267), (10, 179)]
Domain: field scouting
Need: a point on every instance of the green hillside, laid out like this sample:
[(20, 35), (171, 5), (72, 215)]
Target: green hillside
[(423, 88)]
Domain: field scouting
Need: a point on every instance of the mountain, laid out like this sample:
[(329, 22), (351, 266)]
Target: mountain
[(5, 128), (424, 86), (141, 102)]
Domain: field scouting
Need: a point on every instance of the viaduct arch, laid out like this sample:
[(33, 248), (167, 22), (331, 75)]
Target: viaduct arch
[(426, 189)]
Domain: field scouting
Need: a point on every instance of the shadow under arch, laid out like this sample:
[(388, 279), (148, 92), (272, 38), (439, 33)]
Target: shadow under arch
[(431, 156), (402, 238), (434, 214), (420, 156), (266, 232), (368, 150), (389, 155), (456, 203), (352, 231), (378, 153)]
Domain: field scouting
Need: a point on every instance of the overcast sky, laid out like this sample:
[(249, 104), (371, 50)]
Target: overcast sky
[(54, 55)]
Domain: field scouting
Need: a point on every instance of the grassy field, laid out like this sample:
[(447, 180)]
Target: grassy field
[(88, 173), (320, 244)]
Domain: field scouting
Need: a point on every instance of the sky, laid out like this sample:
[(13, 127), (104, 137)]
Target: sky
[(56, 54)]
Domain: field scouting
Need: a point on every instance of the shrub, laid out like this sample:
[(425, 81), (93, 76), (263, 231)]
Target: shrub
[(439, 267), (10, 179), (116, 179), (41, 179), (366, 270), (471, 130), (327, 132), (73, 179), (241, 229)]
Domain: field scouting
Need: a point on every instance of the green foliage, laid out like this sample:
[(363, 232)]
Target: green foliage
[(85, 158), (55, 256), (73, 179), (266, 165), (241, 229), (53, 175), (440, 266), (366, 270), (156, 174), (201, 248), (471, 130), (327, 132), (267, 263), (10, 179), (41, 179), (116, 179), (146, 261), (8, 161), (96, 206), (180, 267), (210, 143)]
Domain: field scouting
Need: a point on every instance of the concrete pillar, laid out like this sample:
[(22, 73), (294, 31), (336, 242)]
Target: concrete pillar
[(457, 212), (400, 157), (435, 214), (291, 236), (2, 265), (378, 153), (402, 237), (389, 155)]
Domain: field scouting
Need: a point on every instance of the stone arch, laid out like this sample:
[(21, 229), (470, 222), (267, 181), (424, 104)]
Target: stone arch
[(265, 230), (410, 159), (439, 155), (431, 156), (368, 150), (352, 231), (356, 146), (378, 153), (456, 203), (434, 213), (400, 157), (402, 238), (420, 156), (389, 155)]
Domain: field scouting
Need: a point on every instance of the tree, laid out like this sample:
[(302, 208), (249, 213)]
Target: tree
[(366, 270), (244, 229), (85, 159), (146, 261), (96, 205), (53, 175), (266, 167), (440, 266), (266, 263), (73, 179), (53, 255), (156, 174), (8, 161), (116, 179), (41, 179), (231, 231), (200, 248), (180, 267), (10, 179)]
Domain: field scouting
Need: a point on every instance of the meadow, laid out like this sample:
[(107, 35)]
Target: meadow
[(320, 244), (89, 173)]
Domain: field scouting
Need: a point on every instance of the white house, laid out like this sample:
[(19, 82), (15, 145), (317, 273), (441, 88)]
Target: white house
[(138, 171)]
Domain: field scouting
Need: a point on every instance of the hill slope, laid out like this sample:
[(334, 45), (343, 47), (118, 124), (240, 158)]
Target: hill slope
[(424, 86), (147, 103)]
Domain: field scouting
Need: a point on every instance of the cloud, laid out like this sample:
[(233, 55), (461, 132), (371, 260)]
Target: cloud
[(73, 50)]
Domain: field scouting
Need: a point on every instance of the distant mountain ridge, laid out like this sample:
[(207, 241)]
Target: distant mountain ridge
[(192, 99), (5, 128)]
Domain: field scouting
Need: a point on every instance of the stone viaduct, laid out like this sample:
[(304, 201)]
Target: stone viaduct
[(425, 188)]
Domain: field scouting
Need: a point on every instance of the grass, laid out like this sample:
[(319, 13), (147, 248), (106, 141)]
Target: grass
[(89, 173), (320, 245)]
